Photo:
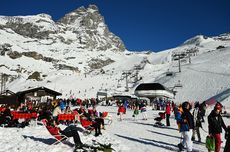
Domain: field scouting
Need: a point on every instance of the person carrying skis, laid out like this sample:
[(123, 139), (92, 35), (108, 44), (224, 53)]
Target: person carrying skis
[(215, 125), (186, 126)]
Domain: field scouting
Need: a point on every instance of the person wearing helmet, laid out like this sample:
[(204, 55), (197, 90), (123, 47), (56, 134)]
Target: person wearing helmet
[(215, 125)]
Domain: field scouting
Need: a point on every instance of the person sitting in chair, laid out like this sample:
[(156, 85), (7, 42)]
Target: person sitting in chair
[(70, 131)]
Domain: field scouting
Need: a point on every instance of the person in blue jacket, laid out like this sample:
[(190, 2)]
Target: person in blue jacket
[(62, 105), (186, 125)]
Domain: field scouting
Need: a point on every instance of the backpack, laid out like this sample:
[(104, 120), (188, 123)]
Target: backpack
[(210, 143)]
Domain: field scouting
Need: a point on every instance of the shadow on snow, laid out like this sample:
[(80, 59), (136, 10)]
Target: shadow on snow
[(155, 143)]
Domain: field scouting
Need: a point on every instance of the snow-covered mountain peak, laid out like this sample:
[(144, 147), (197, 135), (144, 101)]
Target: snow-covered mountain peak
[(79, 56), (38, 19), (82, 17), (197, 40)]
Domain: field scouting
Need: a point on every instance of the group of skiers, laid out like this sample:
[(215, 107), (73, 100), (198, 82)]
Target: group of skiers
[(189, 124)]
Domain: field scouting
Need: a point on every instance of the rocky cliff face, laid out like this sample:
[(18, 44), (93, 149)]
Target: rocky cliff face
[(80, 41), (38, 26), (87, 24)]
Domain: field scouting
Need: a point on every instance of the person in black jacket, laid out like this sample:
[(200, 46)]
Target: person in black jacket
[(215, 125), (227, 137), (202, 109)]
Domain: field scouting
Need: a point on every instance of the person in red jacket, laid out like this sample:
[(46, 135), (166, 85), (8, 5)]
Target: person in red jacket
[(168, 113), (121, 110), (70, 131)]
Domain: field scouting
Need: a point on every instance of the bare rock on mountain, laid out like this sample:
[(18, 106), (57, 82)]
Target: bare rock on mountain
[(91, 30), (98, 63), (35, 76)]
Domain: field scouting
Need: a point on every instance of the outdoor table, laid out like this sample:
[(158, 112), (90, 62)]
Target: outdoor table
[(23, 115), (66, 117)]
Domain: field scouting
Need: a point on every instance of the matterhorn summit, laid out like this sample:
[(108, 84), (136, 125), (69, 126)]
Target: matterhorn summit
[(79, 56)]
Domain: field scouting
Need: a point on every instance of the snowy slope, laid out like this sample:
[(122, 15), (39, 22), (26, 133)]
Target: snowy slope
[(78, 56)]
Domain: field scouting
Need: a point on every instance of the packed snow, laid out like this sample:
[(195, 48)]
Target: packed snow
[(125, 136)]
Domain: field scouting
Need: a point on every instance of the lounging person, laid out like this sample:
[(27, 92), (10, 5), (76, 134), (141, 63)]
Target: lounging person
[(70, 131), (6, 117), (97, 121), (97, 116), (68, 110)]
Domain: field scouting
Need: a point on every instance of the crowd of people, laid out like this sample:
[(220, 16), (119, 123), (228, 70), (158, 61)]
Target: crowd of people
[(189, 117), (189, 124), (50, 112)]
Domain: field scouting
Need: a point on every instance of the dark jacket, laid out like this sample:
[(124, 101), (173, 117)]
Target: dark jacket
[(215, 123), (184, 120), (189, 118), (197, 117), (227, 137)]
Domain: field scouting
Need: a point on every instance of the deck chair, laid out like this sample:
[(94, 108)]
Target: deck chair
[(58, 137), (87, 124), (106, 116)]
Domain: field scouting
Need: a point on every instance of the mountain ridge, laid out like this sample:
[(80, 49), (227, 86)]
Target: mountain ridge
[(78, 56)]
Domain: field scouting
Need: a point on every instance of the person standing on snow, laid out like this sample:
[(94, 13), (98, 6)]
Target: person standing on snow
[(121, 110), (144, 110), (227, 137), (57, 110), (215, 125), (126, 104), (197, 120), (168, 113), (186, 126), (203, 108), (135, 112)]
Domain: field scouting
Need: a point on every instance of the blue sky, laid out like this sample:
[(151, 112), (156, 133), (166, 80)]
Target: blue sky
[(141, 24)]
